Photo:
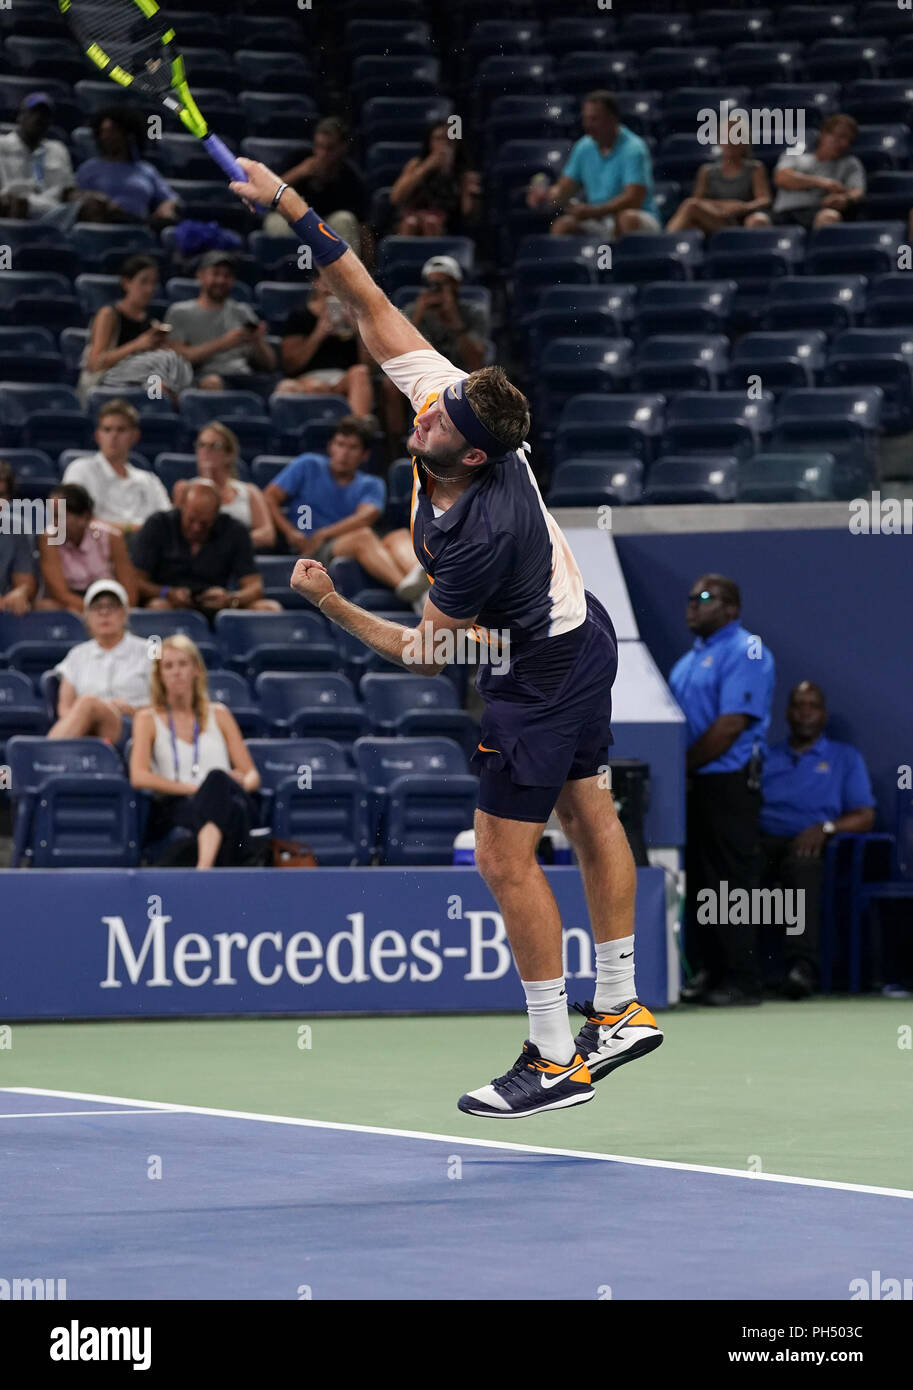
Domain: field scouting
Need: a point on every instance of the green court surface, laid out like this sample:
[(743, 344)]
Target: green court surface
[(821, 1089)]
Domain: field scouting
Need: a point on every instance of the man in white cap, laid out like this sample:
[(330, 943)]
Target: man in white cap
[(107, 678), (454, 328)]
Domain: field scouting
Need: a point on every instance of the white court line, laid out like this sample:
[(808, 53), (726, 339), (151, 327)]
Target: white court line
[(461, 1139), (58, 1114)]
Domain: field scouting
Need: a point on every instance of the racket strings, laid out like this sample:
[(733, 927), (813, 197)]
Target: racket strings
[(130, 39)]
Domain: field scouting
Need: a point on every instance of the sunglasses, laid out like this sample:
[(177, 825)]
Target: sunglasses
[(704, 596)]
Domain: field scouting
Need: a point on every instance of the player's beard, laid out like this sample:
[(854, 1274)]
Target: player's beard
[(444, 465)]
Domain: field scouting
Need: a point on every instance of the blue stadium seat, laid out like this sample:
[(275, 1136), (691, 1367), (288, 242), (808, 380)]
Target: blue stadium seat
[(351, 653), (276, 569), (684, 67), (643, 30), (241, 410), (231, 689), (427, 796), (601, 425), (265, 467), (276, 299), (278, 116), (731, 26), (877, 357), (276, 154), (52, 57), (759, 63), (717, 422), (401, 118), (418, 707), (29, 354), (18, 235), (886, 18), (292, 414), (134, 395), (816, 99), (580, 71), (74, 807), (31, 463), (890, 301), (641, 111), (21, 710), (864, 248), (591, 482), (590, 321), (686, 478), (376, 76), (657, 256), (681, 362), (515, 117), (880, 101), (889, 193), (847, 60), (385, 160), (93, 291), (695, 306), (255, 642), (380, 601), (401, 257), (681, 106), (578, 33), (831, 302), (616, 301), (531, 279), (154, 622), (277, 255), (92, 240), (185, 287), (310, 793), (171, 468), (781, 360), (570, 366), (43, 416), (522, 75), (387, 36), (504, 36), (680, 155), (787, 478), (845, 422), (310, 705), (399, 492), (273, 71), (41, 297), (882, 147)]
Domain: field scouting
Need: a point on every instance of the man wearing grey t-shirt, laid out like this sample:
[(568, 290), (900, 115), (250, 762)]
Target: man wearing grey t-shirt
[(220, 335), (821, 187)]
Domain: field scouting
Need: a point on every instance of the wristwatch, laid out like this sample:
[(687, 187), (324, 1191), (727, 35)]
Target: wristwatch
[(235, 601), (829, 827)]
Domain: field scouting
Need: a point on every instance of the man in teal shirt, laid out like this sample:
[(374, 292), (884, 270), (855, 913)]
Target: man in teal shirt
[(611, 171)]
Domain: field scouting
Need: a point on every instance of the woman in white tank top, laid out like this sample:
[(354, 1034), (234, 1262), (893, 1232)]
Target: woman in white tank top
[(190, 753), (218, 450)]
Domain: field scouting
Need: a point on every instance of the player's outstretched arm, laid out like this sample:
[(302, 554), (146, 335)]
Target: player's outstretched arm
[(385, 331)]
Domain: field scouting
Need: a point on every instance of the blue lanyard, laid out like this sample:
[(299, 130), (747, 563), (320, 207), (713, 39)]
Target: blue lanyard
[(38, 156), (195, 765)]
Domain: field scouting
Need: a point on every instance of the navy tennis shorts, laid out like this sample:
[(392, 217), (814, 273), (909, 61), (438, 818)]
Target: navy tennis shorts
[(548, 721)]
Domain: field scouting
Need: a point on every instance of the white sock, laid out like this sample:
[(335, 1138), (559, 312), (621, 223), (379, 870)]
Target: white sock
[(549, 1026), (614, 976)]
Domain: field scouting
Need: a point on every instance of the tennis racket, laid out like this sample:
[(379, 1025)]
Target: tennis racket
[(133, 43)]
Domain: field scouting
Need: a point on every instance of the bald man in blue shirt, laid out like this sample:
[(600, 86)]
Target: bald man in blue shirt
[(813, 787), (724, 686)]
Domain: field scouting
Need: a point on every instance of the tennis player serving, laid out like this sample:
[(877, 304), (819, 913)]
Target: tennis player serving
[(498, 563)]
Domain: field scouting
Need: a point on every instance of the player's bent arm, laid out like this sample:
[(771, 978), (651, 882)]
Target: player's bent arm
[(415, 649)]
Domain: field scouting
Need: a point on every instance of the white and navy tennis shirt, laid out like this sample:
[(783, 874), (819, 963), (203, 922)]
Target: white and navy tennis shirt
[(496, 552)]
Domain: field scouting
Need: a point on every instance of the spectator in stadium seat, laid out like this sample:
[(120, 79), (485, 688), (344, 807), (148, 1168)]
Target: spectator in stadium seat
[(188, 751), (126, 346), (820, 187), (724, 686), (454, 328), (322, 354), (321, 503), (105, 680), (18, 566), (218, 452), (611, 166), (329, 177), (91, 550), (35, 172), (194, 556), (219, 336), (121, 494), (130, 189), (438, 192), (726, 192), (812, 788)]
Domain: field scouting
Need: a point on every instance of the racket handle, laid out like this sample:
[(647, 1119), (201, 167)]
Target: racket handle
[(226, 161)]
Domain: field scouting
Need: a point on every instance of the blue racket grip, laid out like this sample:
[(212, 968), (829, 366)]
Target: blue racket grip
[(227, 162)]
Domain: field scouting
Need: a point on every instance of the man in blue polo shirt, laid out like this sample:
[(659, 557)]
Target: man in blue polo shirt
[(812, 788), (606, 186), (324, 505), (724, 686)]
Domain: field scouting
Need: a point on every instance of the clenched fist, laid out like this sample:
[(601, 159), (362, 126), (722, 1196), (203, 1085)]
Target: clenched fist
[(309, 577)]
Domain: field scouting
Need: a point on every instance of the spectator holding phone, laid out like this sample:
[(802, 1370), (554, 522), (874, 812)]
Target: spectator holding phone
[(437, 192), (218, 335), (322, 354), (126, 346)]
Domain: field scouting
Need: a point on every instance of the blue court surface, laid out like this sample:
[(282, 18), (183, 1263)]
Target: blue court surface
[(269, 1207)]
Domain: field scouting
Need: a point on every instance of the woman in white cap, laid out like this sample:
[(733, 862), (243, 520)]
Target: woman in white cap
[(189, 752), (105, 680)]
